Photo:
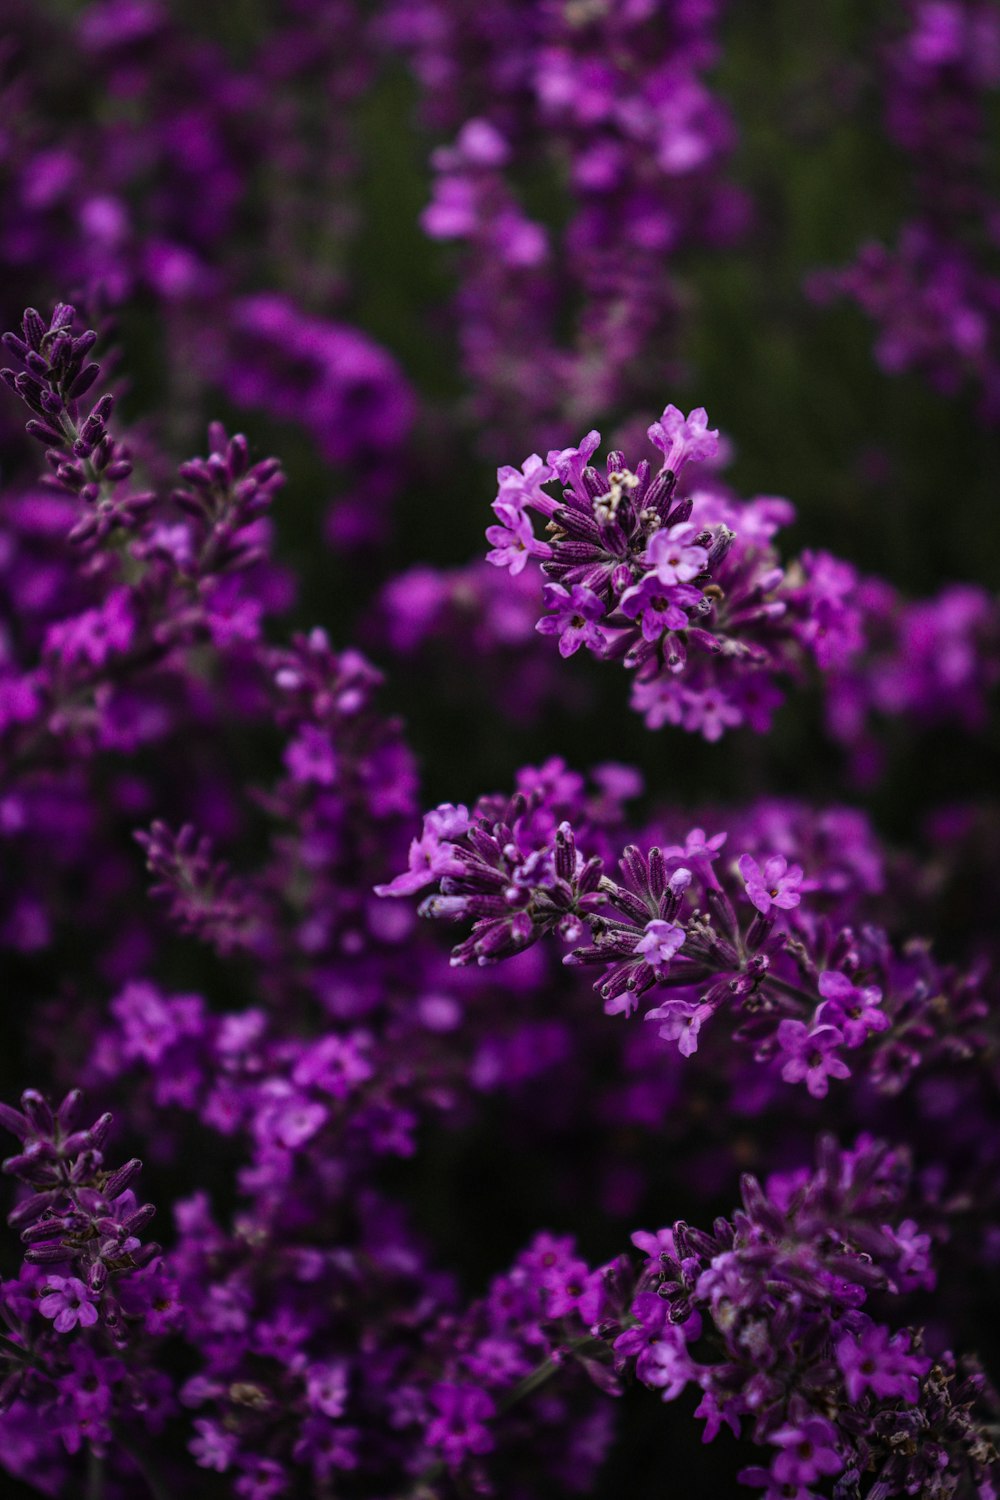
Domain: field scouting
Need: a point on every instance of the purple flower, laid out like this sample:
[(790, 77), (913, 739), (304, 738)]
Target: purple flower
[(717, 1414), (460, 1425), (667, 1367), (310, 756), (576, 610), (808, 1451), (914, 1267), (326, 1388), (569, 463), (654, 1245), (151, 1024), (774, 1488), (673, 556), (659, 943), (658, 604), (697, 853), (96, 635), (574, 1292), (709, 710), (681, 1022), (213, 1448), (810, 1054), (517, 488), (287, 1117), (262, 1479), (853, 1011), (877, 1362), (67, 1300), (683, 439), (776, 885), (336, 1065), (514, 541), (657, 1346), (432, 855)]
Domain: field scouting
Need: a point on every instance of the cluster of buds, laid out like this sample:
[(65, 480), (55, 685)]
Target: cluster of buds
[(685, 589), (80, 1216), (84, 459)]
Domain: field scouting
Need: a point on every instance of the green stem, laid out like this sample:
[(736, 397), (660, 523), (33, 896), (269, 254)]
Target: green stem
[(95, 1476), (792, 990)]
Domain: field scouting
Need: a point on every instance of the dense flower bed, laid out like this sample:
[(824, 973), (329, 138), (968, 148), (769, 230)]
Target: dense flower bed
[(724, 935)]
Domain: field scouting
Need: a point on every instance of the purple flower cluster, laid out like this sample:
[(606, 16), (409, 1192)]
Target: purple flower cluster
[(928, 662), (554, 326), (338, 384), (768, 1316), (228, 149), (160, 578), (422, 611), (354, 1039), (683, 586), (398, 1178), (805, 983), (92, 1303), (934, 296)]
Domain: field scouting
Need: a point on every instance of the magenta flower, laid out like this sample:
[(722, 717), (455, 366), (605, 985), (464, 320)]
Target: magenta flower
[(882, 1364), (514, 541), (569, 463), (286, 1117), (682, 439), (67, 1301), (776, 885), (213, 1448), (661, 940), (717, 1414), (709, 711), (808, 1451), (96, 635), (574, 617), (681, 1023), (310, 757), (574, 1291), (914, 1268), (459, 1427), (326, 1387), (657, 1346), (853, 1011), (774, 1488), (336, 1065), (517, 488), (696, 854), (658, 604), (652, 1320), (432, 854), (673, 556), (654, 1244), (811, 1055)]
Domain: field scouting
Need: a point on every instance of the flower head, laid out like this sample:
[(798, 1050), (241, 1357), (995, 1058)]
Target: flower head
[(883, 1364), (513, 542), (777, 884), (682, 439), (674, 556), (459, 1426), (810, 1054), (68, 1302), (432, 854), (659, 943), (575, 611), (856, 1012), (680, 1022)]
